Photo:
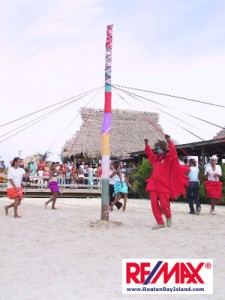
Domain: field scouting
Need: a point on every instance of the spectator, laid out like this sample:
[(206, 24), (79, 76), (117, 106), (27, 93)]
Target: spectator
[(33, 168), (81, 175), (62, 174), (99, 171), (74, 174), (68, 174), (95, 174), (2, 170), (33, 171), (46, 174), (40, 178), (3, 165), (82, 165), (57, 166), (90, 176), (213, 186), (86, 173), (193, 188), (69, 165), (41, 166), (99, 174)]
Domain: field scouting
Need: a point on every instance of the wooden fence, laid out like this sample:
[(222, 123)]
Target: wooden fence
[(38, 187)]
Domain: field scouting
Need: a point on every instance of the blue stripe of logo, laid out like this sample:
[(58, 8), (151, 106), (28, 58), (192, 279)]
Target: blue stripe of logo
[(153, 272)]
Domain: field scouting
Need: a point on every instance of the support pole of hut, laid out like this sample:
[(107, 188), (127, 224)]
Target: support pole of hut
[(106, 126)]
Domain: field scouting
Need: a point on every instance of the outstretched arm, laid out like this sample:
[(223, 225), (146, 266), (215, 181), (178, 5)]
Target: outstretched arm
[(173, 151), (149, 152)]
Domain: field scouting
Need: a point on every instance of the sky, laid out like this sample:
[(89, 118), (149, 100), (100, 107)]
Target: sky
[(51, 51)]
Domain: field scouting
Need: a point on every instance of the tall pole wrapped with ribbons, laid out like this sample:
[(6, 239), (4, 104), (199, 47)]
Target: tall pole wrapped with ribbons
[(106, 126)]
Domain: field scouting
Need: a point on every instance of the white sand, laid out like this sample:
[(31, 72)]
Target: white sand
[(58, 255)]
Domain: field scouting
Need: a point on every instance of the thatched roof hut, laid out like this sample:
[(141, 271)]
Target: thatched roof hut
[(128, 131)]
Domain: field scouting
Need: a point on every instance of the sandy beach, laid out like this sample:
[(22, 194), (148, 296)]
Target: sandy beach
[(69, 254)]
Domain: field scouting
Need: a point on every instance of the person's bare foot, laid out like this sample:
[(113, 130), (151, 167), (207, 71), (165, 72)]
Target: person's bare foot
[(54, 208), (46, 204), (6, 211), (17, 216)]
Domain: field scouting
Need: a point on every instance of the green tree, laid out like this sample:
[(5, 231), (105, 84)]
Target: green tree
[(223, 180), (202, 193), (138, 179)]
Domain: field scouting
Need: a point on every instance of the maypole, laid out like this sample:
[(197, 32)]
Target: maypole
[(106, 125)]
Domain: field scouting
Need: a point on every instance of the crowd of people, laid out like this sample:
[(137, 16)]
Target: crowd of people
[(2, 170), (67, 173), (2, 166), (169, 180), (80, 173)]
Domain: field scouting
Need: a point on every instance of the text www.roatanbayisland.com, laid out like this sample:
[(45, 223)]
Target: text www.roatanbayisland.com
[(165, 289)]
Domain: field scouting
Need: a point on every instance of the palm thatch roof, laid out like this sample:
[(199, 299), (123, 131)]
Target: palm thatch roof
[(128, 131)]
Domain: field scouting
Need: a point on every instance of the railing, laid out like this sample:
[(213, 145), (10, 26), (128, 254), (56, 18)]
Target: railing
[(41, 183)]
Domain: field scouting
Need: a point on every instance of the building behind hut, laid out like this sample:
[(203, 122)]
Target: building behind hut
[(128, 131)]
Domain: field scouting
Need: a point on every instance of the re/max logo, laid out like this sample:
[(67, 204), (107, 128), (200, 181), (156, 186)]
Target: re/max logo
[(181, 272)]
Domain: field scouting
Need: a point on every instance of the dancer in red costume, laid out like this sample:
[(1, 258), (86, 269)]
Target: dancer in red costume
[(167, 181)]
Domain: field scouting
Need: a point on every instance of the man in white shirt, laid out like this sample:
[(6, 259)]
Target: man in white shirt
[(193, 188)]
